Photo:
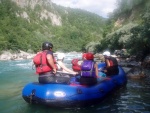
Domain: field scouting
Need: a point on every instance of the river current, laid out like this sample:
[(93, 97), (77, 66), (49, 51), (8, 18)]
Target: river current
[(14, 75)]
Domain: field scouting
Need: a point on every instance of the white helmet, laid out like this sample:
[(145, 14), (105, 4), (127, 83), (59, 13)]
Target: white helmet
[(60, 55), (106, 53)]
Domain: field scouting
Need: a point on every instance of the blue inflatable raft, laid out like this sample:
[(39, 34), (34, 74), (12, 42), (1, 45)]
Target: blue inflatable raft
[(73, 94)]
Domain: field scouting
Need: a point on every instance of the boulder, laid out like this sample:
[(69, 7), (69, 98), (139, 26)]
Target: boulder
[(146, 62), (7, 55), (136, 73)]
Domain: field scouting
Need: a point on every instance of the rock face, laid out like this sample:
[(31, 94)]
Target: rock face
[(7, 55), (43, 14), (31, 3), (56, 19)]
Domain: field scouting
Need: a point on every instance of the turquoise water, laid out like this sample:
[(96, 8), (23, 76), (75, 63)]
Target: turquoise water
[(14, 75)]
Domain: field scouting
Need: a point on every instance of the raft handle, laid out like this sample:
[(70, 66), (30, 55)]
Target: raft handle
[(101, 90), (32, 96), (79, 91)]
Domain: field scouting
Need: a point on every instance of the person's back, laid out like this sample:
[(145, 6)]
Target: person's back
[(111, 64), (89, 70), (47, 68)]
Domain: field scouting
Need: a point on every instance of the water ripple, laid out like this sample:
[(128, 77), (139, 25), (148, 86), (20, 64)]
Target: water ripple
[(15, 75)]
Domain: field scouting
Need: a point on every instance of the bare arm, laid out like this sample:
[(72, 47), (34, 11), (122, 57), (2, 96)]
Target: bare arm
[(65, 69), (107, 63), (51, 62)]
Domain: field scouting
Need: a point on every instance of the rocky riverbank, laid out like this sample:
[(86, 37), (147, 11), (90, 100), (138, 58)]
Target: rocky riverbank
[(133, 68), (20, 55)]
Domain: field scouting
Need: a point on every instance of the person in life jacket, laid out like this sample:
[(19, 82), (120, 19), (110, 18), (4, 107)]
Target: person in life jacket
[(111, 64), (47, 67), (89, 70), (61, 66), (76, 63)]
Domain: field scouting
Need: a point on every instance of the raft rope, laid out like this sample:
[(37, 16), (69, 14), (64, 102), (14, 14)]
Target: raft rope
[(31, 96)]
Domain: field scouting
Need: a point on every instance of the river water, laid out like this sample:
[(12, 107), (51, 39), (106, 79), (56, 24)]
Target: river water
[(14, 75)]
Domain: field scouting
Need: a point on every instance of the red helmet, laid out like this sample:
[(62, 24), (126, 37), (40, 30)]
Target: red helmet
[(89, 56)]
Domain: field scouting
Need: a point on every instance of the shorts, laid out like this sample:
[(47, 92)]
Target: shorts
[(45, 78), (49, 77)]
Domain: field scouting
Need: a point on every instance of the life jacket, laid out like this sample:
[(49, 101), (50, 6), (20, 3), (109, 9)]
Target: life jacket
[(87, 69), (112, 61), (75, 65), (41, 63)]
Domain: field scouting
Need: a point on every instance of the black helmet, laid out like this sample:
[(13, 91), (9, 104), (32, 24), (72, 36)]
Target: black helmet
[(47, 46)]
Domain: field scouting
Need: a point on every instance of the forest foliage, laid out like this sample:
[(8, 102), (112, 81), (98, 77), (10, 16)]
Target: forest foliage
[(80, 30), (133, 33), (18, 33)]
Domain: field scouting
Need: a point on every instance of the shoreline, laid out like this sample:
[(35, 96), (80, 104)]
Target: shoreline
[(21, 55), (127, 62)]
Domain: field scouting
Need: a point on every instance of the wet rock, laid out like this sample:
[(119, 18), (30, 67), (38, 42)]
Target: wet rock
[(126, 69), (7, 55), (146, 62), (136, 73), (121, 53), (129, 64)]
